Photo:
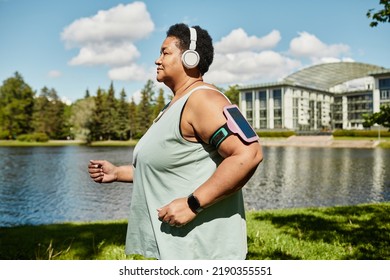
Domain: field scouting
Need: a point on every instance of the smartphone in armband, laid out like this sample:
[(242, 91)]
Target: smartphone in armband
[(237, 124)]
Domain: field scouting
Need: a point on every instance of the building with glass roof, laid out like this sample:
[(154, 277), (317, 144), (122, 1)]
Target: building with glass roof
[(318, 98)]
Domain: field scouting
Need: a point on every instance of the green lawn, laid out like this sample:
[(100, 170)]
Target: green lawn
[(331, 233), (55, 143)]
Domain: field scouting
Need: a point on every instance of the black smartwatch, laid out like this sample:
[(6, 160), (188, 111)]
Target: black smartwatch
[(194, 204)]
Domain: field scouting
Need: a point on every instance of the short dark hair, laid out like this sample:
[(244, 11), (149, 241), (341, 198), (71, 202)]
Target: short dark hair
[(204, 43)]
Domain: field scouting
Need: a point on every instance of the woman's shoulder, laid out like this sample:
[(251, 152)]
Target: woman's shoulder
[(206, 94)]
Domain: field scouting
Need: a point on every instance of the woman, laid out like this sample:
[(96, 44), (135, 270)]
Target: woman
[(187, 201)]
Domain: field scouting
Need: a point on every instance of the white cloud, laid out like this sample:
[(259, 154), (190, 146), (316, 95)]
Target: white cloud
[(136, 96), (108, 38), (240, 58), (129, 22), (309, 46), (54, 74), (66, 100), (238, 40), (106, 53), (130, 73), (247, 67), (331, 60)]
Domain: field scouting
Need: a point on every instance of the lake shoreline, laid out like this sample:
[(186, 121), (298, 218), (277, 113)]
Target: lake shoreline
[(319, 141), (293, 141)]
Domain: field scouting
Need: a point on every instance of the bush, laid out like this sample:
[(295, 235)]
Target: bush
[(360, 133), (34, 137), (4, 135), (286, 133)]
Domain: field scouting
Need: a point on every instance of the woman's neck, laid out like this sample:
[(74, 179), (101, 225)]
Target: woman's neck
[(188, 83)]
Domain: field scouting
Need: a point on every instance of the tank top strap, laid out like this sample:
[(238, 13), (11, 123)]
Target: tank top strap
[(204, 87)]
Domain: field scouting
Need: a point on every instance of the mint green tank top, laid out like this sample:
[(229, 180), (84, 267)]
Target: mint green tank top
[(166, 167)]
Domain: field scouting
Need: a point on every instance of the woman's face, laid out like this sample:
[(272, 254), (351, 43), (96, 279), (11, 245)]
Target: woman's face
[(169, 63)]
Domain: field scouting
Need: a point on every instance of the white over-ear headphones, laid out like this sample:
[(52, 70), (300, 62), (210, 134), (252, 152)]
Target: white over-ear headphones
[(190, 57)]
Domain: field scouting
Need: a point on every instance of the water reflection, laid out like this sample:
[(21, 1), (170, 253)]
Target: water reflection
[(42, 185), (301, 177), (48, 185)]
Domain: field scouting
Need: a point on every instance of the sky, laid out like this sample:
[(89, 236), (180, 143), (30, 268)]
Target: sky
[(75, 45)]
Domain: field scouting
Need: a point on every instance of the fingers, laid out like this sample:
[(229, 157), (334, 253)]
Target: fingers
[(167, 218), (164, 217), (96, 163), (97, 177), (95, 170)]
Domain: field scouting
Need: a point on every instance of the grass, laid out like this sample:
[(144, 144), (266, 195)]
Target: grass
[(333, 233), (114, 143), (330, 233), (51, 143), (360, 138), (56, 143), (385, 142)]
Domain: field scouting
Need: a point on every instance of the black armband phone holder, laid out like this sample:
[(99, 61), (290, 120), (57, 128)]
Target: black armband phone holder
[(220, 135)]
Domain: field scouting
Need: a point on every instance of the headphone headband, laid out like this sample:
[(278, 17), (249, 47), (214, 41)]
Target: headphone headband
[(193, 38)]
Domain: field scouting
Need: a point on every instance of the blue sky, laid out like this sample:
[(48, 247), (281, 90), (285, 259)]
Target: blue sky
[(74, 45)]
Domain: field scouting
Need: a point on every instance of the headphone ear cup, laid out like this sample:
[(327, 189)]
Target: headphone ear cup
[(190, 59)]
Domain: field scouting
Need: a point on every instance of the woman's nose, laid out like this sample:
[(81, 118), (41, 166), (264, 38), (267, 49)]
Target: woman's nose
[(158, 60)]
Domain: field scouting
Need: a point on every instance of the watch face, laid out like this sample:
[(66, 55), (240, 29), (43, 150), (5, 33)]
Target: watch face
[(194, 204)]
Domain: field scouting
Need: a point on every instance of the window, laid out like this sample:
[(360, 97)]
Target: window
[(277, 95), (385, 94), (263, 109), (384, 83), (277, 98), (249, 100), (249, 106), (358, 105), (296, 112), (263, 99)]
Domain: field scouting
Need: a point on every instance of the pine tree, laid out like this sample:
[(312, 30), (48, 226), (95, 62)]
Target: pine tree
[(109, 115), (133, 118), (144, 109), (87, 95), (123, 120), (49, 115), (160, 103), (95, 124)]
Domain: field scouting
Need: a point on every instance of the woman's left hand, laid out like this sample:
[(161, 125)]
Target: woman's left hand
[(177, 213)]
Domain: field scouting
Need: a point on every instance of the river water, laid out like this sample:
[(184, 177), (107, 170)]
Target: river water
[(43, 185)]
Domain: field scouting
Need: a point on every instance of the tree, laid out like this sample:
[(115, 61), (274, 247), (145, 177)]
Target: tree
[(109, 114), (49, 115), (160, 103), (382, 15), (133, 118), (382, 117), (80, 117), (123, 124), (16, 107), (95, 124), (144, 109), (39, 117), (233, 94), (87, 95)]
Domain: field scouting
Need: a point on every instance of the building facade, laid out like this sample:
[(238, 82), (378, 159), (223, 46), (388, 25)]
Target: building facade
[(319, 98)]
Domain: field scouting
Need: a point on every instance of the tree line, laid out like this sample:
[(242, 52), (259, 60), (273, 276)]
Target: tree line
[(26, 115)]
